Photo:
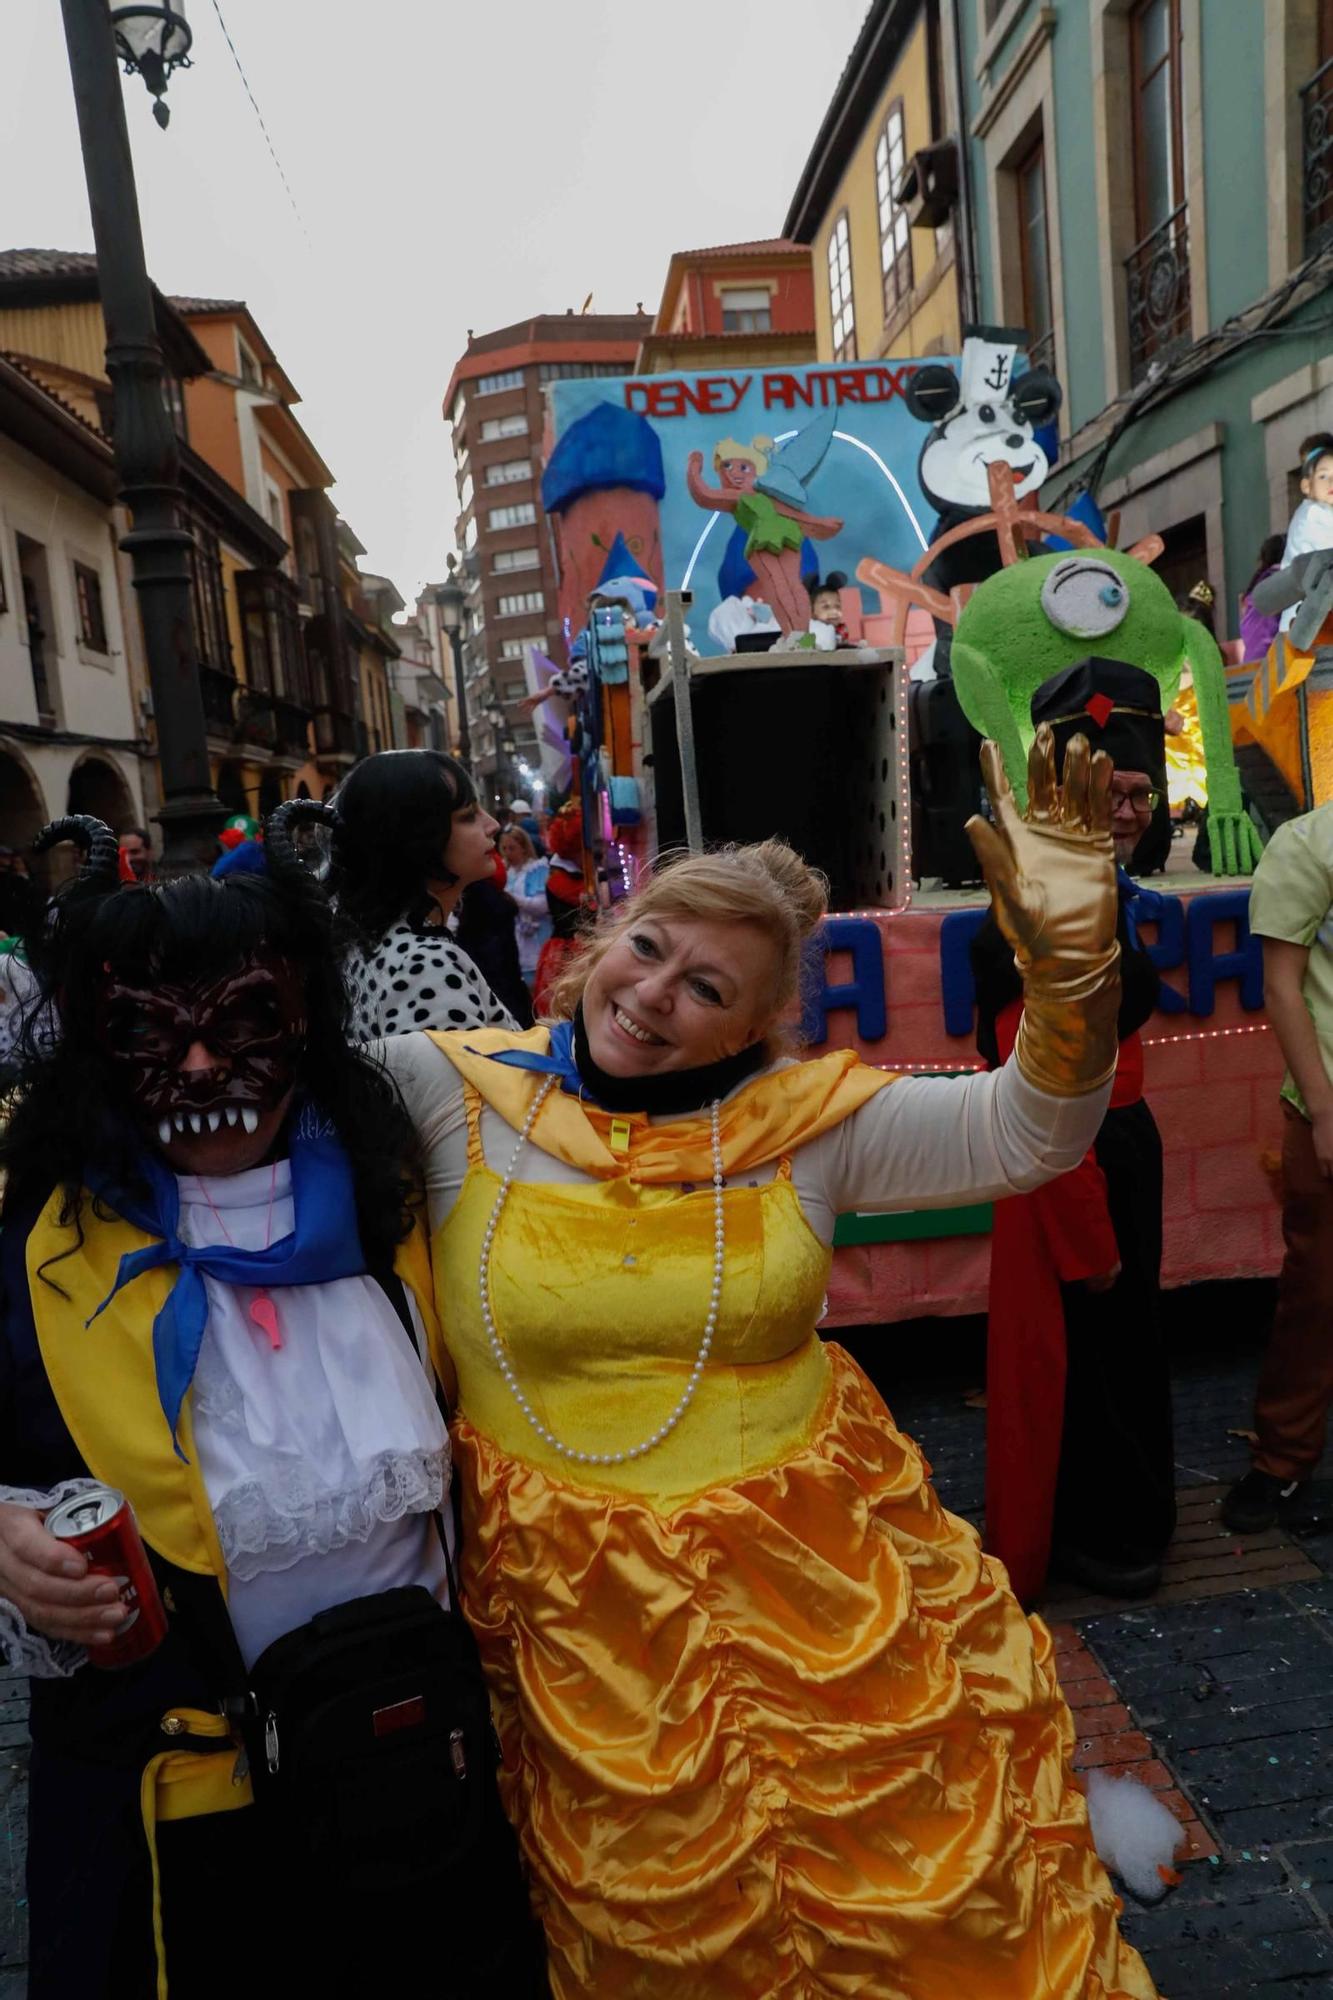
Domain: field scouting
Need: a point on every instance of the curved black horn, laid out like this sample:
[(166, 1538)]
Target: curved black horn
[(101, 849), (285, 866)]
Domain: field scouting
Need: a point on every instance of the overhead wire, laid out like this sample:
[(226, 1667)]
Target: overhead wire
[(268, 137)]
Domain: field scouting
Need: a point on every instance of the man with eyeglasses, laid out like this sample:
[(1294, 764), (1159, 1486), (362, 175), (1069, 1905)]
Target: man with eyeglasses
[(1291, 909), (1079, 1463)]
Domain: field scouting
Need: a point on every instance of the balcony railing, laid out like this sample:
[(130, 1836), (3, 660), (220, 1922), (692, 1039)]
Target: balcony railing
[(1317, 159), (335, 733), (291, 730), (219, 691), (1041, 353), (1157, 274), (256, 723)]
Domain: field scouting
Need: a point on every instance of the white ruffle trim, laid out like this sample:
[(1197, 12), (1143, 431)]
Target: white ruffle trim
[(275, 1522), (25, 1651)]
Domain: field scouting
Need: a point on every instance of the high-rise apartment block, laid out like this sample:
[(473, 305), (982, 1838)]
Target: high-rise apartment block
[(495, 404)]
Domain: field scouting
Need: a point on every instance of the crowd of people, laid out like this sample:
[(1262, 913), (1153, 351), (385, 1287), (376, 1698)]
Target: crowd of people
[(459, 1369)]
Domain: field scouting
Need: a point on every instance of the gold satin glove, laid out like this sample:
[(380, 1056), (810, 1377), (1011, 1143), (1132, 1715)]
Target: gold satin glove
[(1051, 875)]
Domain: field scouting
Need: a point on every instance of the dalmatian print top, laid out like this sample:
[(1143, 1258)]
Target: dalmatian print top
[(416, 979)]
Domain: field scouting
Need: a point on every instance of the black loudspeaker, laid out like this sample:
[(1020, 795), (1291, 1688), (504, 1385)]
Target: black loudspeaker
[(946, 783), (806, 753)]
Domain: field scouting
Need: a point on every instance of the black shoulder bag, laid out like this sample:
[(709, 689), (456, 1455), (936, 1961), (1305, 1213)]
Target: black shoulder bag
[(374, 1762)]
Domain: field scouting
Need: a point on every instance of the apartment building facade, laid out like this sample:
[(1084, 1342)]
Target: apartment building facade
[(1152, 186), (495, 404)]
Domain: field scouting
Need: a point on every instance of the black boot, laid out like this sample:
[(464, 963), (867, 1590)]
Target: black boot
[(1260, 1500)]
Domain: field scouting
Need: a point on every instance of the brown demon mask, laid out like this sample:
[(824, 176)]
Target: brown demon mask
[(250, 1020)]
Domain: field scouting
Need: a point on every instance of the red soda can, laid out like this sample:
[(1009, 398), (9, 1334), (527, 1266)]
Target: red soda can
[(100, 1522)]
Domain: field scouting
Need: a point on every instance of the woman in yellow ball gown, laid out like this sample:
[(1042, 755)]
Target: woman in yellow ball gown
[(772, 1724)]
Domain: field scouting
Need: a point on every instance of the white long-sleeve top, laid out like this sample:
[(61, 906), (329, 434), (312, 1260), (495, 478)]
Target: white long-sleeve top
[(923, 1142)]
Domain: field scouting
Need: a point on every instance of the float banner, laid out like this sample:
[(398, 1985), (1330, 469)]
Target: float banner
[(823, 457)]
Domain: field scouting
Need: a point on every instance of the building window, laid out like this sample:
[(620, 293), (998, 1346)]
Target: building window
[(510, 473), (514, 649), (92, 621), (840, 291), (506, 559), (1159, 146), (251, 374), (495, 428), (895, 238), (522, 601), (578, 371), (207, 605), (515, 690), (522, 514), (273, 502), (1034, 257), (459, 410), (1157, 270), (491, 385), (747, 311)]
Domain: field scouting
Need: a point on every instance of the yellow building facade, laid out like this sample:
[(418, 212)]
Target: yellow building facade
[(885, 282)]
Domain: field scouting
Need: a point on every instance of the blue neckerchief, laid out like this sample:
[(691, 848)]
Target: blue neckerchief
[(323, 1245), (558, 1062), (672, 1095)]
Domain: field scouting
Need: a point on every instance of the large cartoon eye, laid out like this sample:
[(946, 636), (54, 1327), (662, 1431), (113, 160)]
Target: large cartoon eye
[(1084, 598)]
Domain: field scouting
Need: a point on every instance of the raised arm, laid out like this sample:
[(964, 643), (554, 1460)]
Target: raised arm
[(930, 1142), (718, 498)]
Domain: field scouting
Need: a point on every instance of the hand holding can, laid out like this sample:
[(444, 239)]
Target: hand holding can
[(51, 1585), (99, 1522)]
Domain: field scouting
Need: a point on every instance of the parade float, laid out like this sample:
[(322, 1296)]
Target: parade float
[(703, 705)]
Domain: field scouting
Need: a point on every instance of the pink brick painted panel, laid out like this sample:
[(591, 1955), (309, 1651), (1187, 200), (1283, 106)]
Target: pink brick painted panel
[(1215, 1096)]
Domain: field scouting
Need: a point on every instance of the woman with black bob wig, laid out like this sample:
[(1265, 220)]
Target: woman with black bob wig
[(411, 835), (216, 1304)]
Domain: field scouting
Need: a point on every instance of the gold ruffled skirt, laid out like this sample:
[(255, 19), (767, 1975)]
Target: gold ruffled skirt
[(796, 1739)]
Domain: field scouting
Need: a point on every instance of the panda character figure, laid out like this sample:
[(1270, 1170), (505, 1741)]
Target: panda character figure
[(983, 416), (978, 417)]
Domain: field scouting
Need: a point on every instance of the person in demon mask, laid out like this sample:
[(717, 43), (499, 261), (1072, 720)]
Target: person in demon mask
[(217, 1304)]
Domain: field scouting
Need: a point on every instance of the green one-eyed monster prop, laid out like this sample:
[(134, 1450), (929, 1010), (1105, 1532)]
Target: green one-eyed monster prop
[(1035, 616)]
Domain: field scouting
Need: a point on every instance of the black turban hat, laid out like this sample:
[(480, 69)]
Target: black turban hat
[(1116, 706)]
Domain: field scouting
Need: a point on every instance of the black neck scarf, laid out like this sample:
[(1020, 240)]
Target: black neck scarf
[(674, 1092)]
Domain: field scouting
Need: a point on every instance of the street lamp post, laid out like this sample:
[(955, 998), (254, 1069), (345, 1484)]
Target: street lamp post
[(146, 451), (449, 598)]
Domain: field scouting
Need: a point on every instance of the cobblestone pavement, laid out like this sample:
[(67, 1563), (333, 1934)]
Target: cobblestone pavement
[(1218, 1693)]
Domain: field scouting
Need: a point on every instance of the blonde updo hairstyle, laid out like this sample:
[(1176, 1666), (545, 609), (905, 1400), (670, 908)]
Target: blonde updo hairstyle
[(766, 884)]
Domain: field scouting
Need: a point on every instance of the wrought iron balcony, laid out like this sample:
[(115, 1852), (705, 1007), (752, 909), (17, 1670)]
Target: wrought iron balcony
[(1157, 274), (1041, 353), (219, 691), (335, 734), (291, 725), (1317, 159), (256, 723)]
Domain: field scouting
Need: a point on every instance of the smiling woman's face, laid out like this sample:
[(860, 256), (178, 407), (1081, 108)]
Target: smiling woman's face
[(676, 993)]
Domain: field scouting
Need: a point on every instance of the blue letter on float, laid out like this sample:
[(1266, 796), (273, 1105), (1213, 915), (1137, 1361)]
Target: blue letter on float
[(1152, 906), (959, 989), (864, 990), (1206, 967)]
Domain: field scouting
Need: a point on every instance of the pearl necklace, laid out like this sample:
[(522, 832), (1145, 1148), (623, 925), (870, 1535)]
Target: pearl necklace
[(501, 1358)]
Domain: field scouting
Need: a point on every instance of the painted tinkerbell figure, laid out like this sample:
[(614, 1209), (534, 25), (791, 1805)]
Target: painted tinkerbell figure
[(767, 496)]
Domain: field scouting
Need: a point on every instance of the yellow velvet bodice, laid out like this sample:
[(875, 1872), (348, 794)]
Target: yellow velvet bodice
[(600, 1293)]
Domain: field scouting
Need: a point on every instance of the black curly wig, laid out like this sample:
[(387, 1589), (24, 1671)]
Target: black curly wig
[(67, 1112), (394, 817)]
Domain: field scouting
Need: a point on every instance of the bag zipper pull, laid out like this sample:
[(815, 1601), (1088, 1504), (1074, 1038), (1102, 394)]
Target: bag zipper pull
[(271, 1742), (457, 1754)]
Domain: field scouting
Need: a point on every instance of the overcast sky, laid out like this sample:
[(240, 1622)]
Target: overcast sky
[(455, 164)]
